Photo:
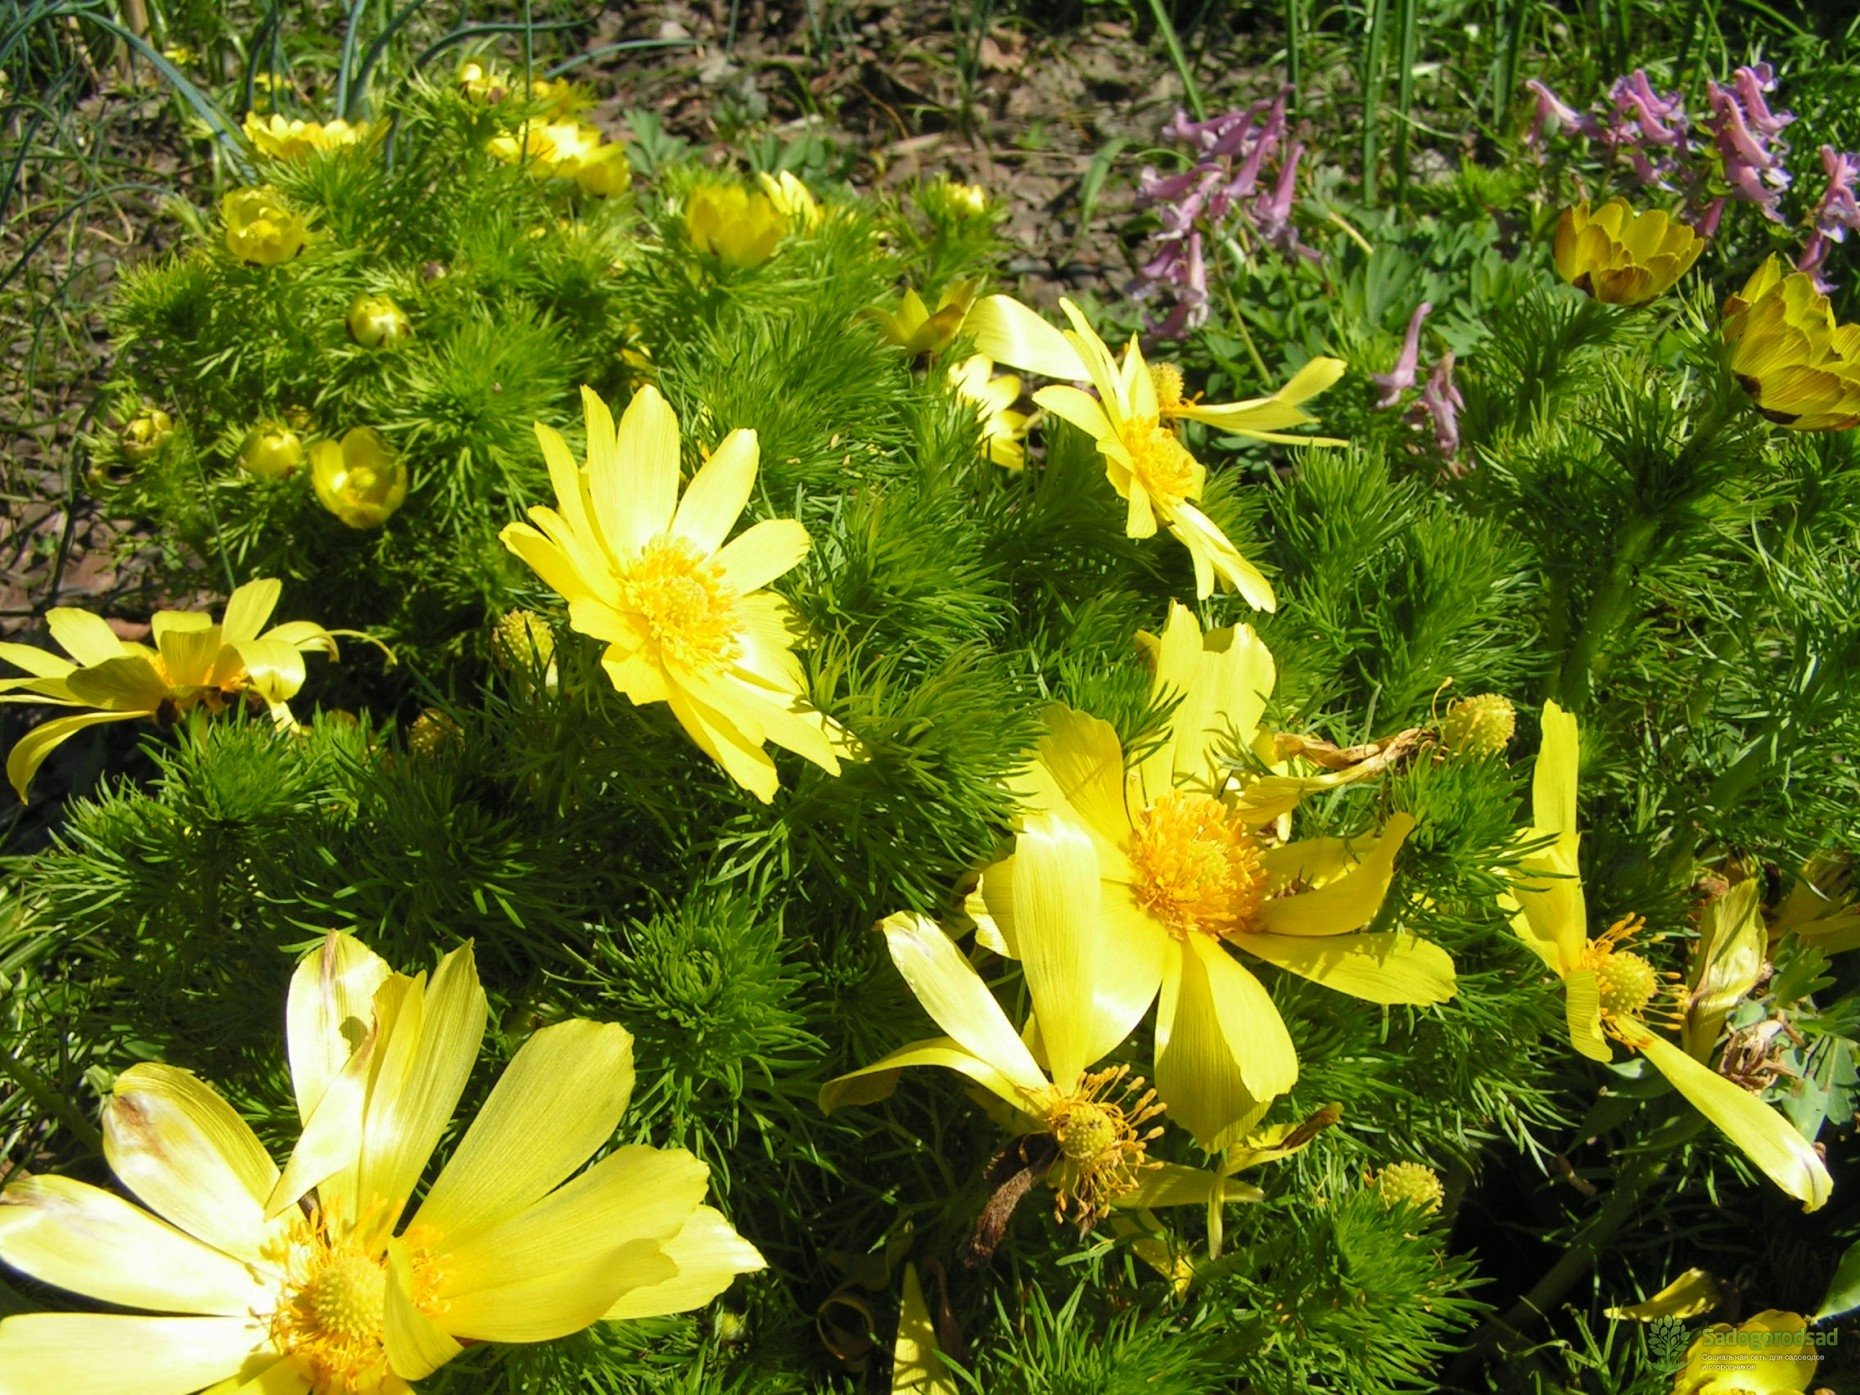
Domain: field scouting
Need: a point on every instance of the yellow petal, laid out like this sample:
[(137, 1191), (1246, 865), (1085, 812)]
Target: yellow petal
[(1079, 408), (30, 751), (89, 1241), (180, 1147), (1008, 332), (1348, 903), (248, 608), (328, 1151), (276, 670), (565, 1261), (416, 1345), (34, 661), (1388, 968), (557, 1102), (1692, 1293), (90, 1354), (718, 493), (1582, 1011), (709, 1255), (724, 741), (1171, 1184), (85, 637), (565, 478), (870, 1084), (128, 683), (1547, 907), (635, 489), (423, 1065), (1222, 680), (763, 552), (1081, 768), (1214, 551), (957, 999), (285, 1375), (916, 1362), (327, 1013), (1060, 936), (545, 558), (1553, 782), (1726, 963), (1221, 1046), (1762, 1134)]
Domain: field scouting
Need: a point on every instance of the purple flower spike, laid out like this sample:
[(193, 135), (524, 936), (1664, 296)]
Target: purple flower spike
[(1834, 216), (1401, 377), (1554, 115), (1442, 403)]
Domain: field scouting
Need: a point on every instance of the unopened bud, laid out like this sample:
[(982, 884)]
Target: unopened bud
[(376, 322), (271, 451), (1479, 726), (1411, 1184)]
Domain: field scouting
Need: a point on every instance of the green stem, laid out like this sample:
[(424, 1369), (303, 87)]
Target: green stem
[(50, 1101), (1166, 27)]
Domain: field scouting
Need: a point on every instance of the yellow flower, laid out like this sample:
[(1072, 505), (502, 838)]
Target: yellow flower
[(487, 83), (1003, 429), (1799, 366), (271, 451), (360, 479), (305, 1280), (142, 435), (378, 322), (261, 228), (1187, 873), (1131, 419), (567, 150), (195, 663), (1610, 989), (1692, 1293), (918, 330), (683, 613), (1727, 961), (792, 199), (1772, 1354), (947, 197), (729, 223), (1820, 909), (297, 140), (1622, 257), (1098, 1122)]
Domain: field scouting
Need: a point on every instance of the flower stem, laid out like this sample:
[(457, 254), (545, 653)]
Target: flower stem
[(50, 1101)]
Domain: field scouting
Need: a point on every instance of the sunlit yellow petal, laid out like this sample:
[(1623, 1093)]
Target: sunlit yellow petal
[(870, 1084), (1387, 968), (709, 1255), (327, 1013), (718, 493), (248, 608), (916, 1362), (180, 1148), (89, 1241), (1061, 939), (1171, 1184), (1221, 1045), (1762, 1134), (1348, 903), (1582, 1011), (635, 490), (1008, 332), (763, 552), (31, 750), (416, 1345), (956, 998), (85, 637), (560, 1099), (91, 1354)]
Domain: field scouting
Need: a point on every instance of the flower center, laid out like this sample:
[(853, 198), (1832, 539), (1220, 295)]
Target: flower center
[(1161, 463), (332, 1309), (1168, 381), (1197, 868), (1627, 983), (1103, 1143), (690, 613)]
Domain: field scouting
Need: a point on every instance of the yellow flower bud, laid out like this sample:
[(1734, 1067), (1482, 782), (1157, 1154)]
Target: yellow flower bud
[(1412, 1184), (431, 733), (1800, 367), (271, 451), (733, 225), (143, 434), (1622, 257), (520, 640), (359, 479), (952, 199), (377, 322), (792, 199), (261, 228), (1479, 726)]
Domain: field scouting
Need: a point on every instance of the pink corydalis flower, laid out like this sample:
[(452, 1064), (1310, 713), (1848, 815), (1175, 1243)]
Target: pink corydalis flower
[(1401, 377), (1835, 215), (1442, 404), (1748, 138)]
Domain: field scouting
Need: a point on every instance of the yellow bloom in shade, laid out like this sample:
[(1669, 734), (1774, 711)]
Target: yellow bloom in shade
[(283, 139), (1186, 873), (1821, 909), (1004, 430), (919, 330), (1132, 421), (792, 199), (360, 478), (261, 228), (1772, 1354), (1799, 366), (1098, 1122), (271, 451), (306, 1280), (729, 223), (144, 433), (194, 663), (1610, 989), (1622, 257), (683, 613)]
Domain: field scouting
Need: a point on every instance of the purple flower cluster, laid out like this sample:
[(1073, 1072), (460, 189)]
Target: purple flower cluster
[(1835, 216), (1440, 403), (1736, 151), (1246, 165)]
